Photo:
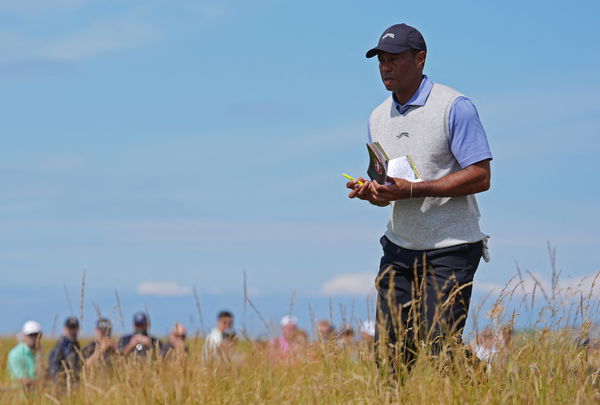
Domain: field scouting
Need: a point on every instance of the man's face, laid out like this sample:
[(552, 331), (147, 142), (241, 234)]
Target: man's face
[(325, 330), (71, 333), (225, 323), (33, 341), (289, 330), (141, 327), (400, 70)]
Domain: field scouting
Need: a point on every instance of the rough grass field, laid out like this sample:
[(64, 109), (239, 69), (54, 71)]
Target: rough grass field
[(544, 364), (537, 368)]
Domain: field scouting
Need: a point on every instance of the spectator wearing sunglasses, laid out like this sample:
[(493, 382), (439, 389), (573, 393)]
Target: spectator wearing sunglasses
[(101, 350), (22, 360), (140, 342), (64, 363)]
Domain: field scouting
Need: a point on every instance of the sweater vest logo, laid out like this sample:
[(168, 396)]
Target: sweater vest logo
[(401, 135)]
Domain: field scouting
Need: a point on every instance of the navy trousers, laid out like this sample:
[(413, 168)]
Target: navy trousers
[(423, 297)]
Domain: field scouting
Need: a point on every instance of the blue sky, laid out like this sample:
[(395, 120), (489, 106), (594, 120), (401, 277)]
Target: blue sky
[(164, 145)]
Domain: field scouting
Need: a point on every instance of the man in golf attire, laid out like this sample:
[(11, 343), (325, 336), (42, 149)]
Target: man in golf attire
[(433, 242)]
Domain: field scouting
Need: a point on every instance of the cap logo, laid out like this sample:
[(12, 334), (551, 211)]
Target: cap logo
[(388, 35)]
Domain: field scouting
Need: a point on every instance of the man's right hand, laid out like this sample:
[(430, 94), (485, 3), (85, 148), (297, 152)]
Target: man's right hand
[(107, 343), (142, 340), (134, 341), (363, 192)]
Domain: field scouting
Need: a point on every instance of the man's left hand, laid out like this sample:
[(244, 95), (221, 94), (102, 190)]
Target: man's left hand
[(398, 189)]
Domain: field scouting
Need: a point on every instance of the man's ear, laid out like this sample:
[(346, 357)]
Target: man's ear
[(420, 59)]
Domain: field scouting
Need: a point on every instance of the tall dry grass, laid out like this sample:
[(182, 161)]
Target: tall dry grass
[(538, 368), (543, 364)]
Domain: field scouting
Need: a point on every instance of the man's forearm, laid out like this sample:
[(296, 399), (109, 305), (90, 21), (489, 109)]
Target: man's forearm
[(471, 180), (128, 348)]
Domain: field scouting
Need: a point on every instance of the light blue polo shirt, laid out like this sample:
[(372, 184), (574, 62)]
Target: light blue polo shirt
[(468, 140), (21, 362)]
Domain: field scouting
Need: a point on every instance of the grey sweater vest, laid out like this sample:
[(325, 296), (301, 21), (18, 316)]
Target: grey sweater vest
[(422, 132)]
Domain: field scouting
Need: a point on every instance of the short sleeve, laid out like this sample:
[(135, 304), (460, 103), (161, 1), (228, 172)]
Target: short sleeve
[(468, 140)]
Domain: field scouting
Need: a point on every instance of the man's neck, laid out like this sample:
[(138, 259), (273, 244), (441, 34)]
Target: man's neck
[(403, 96)]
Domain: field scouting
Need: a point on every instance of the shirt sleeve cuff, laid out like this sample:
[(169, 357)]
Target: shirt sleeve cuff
[(471, 160)]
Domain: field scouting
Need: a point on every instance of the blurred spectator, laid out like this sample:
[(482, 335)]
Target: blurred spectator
[(299, 343), (103, 347), (346, 334), (485, 346), (367, 331), (280, 347), (22, 360), (506, 334), (216, 336), (64, 363), (325, 330), (227, 347), (139, 342), (367, 334), (176, 342)]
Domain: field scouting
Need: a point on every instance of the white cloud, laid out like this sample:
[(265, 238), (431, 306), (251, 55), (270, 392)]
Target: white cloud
[(209, 10), (534, 240), (34, 7), (100, 38), (255, 292), (163, 288), (49, 163), (195, 232), (350, 284)]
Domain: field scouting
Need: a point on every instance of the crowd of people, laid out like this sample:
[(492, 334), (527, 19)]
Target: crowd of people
[(67, 357)]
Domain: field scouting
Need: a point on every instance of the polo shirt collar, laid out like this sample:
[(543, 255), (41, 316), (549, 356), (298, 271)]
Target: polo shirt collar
[(418, 99), (25, 348)]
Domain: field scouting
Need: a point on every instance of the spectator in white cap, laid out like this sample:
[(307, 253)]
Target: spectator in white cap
[(22, 360), (280, 347)]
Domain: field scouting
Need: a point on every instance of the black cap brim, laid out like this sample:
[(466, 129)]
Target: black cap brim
[(386, 48)]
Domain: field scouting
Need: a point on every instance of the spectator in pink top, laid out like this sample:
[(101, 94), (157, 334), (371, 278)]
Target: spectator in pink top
[(280, 347)]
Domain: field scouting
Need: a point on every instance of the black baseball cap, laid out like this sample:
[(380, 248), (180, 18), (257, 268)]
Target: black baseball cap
[(399, 38), (140, 318), (72, 322)]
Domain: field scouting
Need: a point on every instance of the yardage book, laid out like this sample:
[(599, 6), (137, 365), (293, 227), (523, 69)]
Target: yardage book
[(381, 167)]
